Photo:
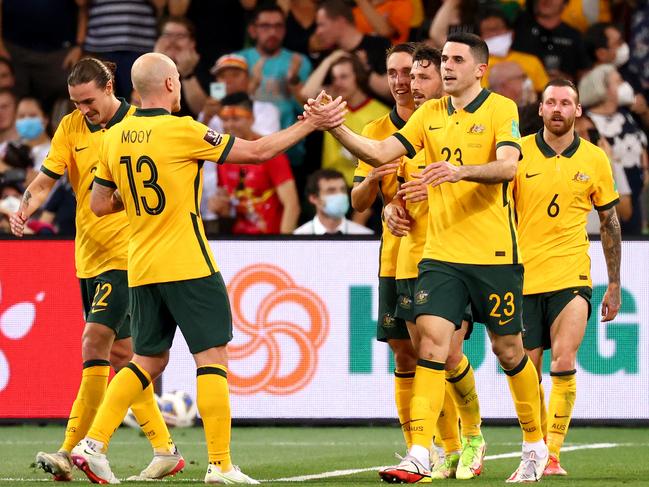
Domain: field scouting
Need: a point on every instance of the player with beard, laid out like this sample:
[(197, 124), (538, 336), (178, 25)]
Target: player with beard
[(559, 180)]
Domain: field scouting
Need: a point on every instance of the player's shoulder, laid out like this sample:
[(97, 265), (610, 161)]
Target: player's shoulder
[(379, 125), (73, 122), (529, 141), (591, 152), (497, 102)]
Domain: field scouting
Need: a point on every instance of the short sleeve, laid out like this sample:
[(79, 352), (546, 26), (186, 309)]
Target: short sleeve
[(60, 154), (103, 175), (206, 144), (412, 134), (604, 194), (505, 119)]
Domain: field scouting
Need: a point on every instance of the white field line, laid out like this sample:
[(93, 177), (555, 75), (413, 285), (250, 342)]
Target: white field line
[(340, 473)]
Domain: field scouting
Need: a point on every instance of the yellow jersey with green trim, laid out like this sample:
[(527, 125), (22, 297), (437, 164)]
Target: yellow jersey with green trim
[(100, 245), (554, 194), (469, 223), (412, 245), (380, 129), (155, 161)]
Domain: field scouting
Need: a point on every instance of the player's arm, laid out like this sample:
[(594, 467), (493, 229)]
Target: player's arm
[(494, 172), (287, 194), (33, 197), (105, 200), (612, 245), (374, 152), (364, 192)]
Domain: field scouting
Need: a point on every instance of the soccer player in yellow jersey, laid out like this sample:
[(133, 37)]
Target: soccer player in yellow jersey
[(368, 183), (408, 219), (559, 180), (150, 165), (101, 262), (471, 142)]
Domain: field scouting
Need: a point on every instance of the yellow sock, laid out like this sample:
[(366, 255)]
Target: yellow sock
[(402, 395), (562, 400), (213, 401), (91, 392), (524, 388), (544, 412), (466, 397), (127, 384), (146, 411), (427, 401), (447, 424)]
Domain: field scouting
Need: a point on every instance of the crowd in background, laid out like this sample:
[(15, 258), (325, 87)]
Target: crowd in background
[(247, 67)]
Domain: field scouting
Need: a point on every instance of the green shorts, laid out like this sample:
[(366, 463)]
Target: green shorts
[(494, 293), (389, 326), (200, 307), (105, 301), (541, 310), (406, 289)]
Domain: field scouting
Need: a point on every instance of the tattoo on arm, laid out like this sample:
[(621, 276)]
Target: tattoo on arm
[(24, 205), (611, 243)]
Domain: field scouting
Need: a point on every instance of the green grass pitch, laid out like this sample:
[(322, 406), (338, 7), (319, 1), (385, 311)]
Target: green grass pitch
[(596, 456)]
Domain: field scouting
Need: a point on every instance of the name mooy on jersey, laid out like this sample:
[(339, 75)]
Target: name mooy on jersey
[(135, 136)]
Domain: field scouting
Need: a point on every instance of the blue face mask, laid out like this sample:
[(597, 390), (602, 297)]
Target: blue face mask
[(30, 128), (336, 205)]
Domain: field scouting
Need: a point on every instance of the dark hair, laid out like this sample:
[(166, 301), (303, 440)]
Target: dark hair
[(407, 47), (595, 38), (240, 99), (561, 82), (478, 47), (362, 76), (266, 7), (490, 12), (7, 62), (92, 69), (425, 55), (179, 19), (312, 187), (337, 8), (10, 92)]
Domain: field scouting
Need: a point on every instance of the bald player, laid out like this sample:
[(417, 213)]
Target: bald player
[(151, 168)]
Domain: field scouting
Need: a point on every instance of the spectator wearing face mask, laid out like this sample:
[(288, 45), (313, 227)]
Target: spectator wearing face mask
[(496, 31), (31, 124), (606, 96), (326, 190)]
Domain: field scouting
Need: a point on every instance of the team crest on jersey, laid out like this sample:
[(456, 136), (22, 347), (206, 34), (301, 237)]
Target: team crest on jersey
[(388, 321), (580, 177), (405, 302), (421, 297), (211, 137), (477, 129)]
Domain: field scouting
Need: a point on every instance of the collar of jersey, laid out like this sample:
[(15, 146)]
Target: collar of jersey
[(396, 120), (474, 105), (549, 152), (119, 115), (150, 112)]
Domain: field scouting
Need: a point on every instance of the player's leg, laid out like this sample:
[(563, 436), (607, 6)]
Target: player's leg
[(497, 299), (202, 310), (436, 322), (460, 376), (153, 331), (96, 341), (449, 437), (566, 334)]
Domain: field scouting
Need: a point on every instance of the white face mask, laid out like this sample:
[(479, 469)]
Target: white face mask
[(622, 55), (625, 95), (499, 45)]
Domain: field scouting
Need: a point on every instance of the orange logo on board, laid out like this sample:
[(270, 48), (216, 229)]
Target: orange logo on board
[(269, 326)]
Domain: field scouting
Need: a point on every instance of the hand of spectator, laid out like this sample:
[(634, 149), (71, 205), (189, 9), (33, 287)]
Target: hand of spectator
[(335, 56), (187, 61), (639, 106), (362, 57), (396, 219), (220, 203), (323, 113), (377, 173), (413, 191), (611, 302), (212, 107), (294, 69), (72, 57), (256, 74)]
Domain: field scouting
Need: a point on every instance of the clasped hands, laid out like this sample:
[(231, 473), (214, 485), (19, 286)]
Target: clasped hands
[(324, 112)]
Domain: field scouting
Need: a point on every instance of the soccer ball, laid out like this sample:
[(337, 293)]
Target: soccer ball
[(178, 409)]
